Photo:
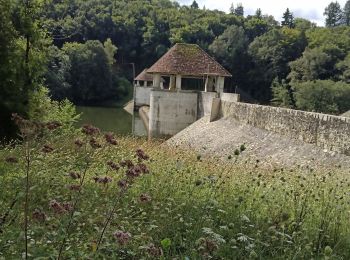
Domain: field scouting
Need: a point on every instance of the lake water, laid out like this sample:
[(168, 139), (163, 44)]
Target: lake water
[(112, 119)]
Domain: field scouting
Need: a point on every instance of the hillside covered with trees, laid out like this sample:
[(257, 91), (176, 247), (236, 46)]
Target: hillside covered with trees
[(83, 50)]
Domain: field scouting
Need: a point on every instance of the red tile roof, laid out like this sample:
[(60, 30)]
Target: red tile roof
[(144, 76), (188, 60)]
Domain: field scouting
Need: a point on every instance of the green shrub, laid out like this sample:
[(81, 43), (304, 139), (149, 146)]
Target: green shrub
[(323, 96), (43, 109)]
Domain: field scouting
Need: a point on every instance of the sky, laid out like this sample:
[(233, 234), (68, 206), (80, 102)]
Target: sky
[(309, 9)]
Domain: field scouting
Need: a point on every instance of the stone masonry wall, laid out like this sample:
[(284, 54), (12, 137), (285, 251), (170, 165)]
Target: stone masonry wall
[(329, 132)]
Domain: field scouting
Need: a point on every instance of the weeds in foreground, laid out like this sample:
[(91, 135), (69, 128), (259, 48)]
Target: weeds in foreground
[(91, 195)]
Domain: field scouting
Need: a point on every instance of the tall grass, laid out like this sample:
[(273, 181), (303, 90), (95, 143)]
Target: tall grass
[(94, 196)]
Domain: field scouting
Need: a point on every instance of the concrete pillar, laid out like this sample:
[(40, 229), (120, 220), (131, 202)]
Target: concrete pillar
[(220, 83), (161, 84), (156, 80), (145, 83), (172, 83), (209, 84), (178, 82)]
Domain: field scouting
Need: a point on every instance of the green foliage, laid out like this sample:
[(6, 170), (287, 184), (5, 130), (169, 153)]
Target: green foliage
[(43, 109), (333, 13), (314, 64), (91, 74), (344, 69), (282, 94), (23, 45), (288, 19), (110, 50), (182, 208), (323, 96), (272, 52), (346, 13)]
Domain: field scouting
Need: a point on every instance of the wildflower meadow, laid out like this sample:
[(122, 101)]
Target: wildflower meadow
[(93, 195)]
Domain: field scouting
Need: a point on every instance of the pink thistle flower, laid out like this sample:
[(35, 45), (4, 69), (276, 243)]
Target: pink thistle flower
[(141, 155), (78, 143), (94, 143), (47, 149), (39, 215), (57, 207), (11, 160), (102, 180), (110, 139), (126, 163), (74, 175), (90, 130), (67, 206), (122, 237), (113, 165), (143, 167), (123, 184), (134, 172), (154, 251), (53, 125), (145, 198), (74, 187)]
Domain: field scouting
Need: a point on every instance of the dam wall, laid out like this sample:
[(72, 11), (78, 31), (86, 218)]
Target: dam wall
[(332, 133), (171, 111), (205, 100), (142, 96)]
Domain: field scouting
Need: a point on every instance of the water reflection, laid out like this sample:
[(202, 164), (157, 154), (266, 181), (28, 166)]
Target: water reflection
[(112, 119)]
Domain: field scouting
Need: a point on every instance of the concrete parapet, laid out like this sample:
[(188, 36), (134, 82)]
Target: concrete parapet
[(332, 133), (205, 100), (231, 97), (142, 96)]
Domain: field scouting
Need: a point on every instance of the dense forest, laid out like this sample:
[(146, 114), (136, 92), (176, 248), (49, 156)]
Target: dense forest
[(52, 51)]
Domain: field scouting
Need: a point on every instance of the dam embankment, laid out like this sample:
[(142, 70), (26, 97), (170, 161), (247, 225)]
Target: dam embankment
[(271, 135)]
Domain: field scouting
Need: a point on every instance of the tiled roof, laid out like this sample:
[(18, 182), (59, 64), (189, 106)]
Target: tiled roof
[(188, 60), (144, 76)]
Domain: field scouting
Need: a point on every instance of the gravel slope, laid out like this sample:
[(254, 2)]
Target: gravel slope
[(221, 138)]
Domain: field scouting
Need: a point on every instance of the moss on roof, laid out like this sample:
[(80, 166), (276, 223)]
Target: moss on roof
[(188, 60)]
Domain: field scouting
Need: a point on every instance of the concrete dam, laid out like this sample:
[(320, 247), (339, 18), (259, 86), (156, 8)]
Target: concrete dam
[(216, 123)]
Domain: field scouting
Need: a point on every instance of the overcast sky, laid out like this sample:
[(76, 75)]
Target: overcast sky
[(309, 9)]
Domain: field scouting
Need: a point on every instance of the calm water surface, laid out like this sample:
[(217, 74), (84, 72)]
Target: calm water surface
[(111, 119)]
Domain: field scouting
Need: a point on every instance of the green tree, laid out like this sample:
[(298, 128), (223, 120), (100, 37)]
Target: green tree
[(111, 51), (344, 68), (258, 13), (346, 13), (23, 57), (91, 76), (333, 13), (282, 94), (230, 49), (232, 9), (304, 24), (271, 54), (194, 5), (288, 19), (323, 96), (314, 64), (239, 10), (57, 75)]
